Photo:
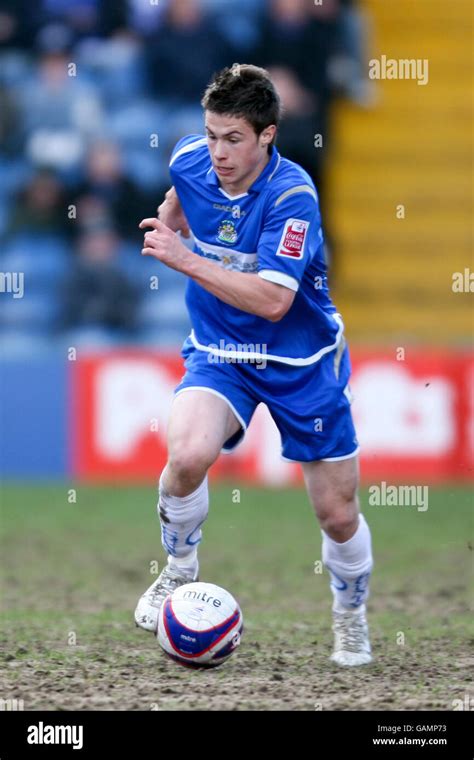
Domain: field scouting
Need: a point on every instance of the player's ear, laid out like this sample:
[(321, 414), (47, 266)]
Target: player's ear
[(267, 135)]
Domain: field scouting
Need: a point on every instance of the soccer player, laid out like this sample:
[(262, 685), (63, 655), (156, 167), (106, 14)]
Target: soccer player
[(264, 329)]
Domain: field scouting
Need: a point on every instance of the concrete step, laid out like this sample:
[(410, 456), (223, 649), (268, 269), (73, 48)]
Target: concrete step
[(394, 277), (420, 156), (405, 125), (399, 273), (416, 153), (392, 320), (421, 34), (394, 182), (368, 203), (428, 228), (443, 94), (408, 12)]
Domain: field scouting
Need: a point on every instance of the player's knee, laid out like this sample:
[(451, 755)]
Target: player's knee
[(340, 521), (189, 464)]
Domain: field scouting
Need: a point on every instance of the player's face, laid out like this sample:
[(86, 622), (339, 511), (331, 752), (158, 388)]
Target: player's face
[(238, 155)]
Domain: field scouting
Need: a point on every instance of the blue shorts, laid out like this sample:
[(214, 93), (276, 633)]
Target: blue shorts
[(310, 405)]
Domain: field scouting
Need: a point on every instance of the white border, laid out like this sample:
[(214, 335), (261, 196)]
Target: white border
[(327, 459), (232, 407)]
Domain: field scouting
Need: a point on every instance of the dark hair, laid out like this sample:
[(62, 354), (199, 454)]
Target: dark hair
[(245, 91)]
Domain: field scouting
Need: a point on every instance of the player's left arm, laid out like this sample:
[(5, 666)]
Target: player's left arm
[(291, 236), (244, 291)]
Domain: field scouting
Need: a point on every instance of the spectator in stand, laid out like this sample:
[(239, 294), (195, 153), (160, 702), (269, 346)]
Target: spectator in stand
[(146, 18), (349, 60), (59, 111), (307, 49), (40, 207), (181, 58), (10, 140), (296, 48), (19, 23), (21, 20), (106, 180), (185, 52), (97, 294)]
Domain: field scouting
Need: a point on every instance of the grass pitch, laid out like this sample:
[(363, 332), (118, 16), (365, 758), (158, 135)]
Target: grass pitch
[(72, 572)]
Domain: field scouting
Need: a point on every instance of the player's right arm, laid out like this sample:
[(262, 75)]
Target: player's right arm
[(171, 214)]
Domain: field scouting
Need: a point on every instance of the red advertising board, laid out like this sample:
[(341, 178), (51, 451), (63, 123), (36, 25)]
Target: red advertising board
[(414, 417)]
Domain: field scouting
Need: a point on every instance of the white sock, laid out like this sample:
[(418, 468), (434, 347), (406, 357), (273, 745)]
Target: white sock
[(188, 565), (349, 565), (181, 518)]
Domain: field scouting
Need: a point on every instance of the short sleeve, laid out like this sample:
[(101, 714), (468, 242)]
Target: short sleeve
[(290, 237)]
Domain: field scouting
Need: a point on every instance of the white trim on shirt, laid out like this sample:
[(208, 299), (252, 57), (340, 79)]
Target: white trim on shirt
[(279, 278), (245, 356), (188, 149), (229, 257), (293, 191), (232, 197)]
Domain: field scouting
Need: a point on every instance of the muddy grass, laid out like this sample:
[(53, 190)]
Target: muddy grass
[(129, 672), (71, 578)]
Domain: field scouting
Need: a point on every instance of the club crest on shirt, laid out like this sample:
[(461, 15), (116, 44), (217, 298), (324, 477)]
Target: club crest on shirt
[(292, 239), (227, 232)]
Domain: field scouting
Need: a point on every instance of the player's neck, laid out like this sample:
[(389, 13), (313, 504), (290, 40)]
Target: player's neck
[(237, 188)]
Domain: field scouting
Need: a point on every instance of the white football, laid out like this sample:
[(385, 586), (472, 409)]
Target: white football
[(199, 625)]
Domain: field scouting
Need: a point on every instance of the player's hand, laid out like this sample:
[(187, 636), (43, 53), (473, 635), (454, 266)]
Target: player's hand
[(171, 214), (164, 244)]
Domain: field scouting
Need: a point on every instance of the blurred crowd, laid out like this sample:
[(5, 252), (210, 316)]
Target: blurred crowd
[(93, 96)]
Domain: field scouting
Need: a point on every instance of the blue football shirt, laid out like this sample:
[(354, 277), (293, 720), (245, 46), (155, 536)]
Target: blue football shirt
[(274, 231)]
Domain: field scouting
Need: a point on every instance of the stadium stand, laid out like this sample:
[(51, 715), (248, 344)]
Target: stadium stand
[(395, 275)]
